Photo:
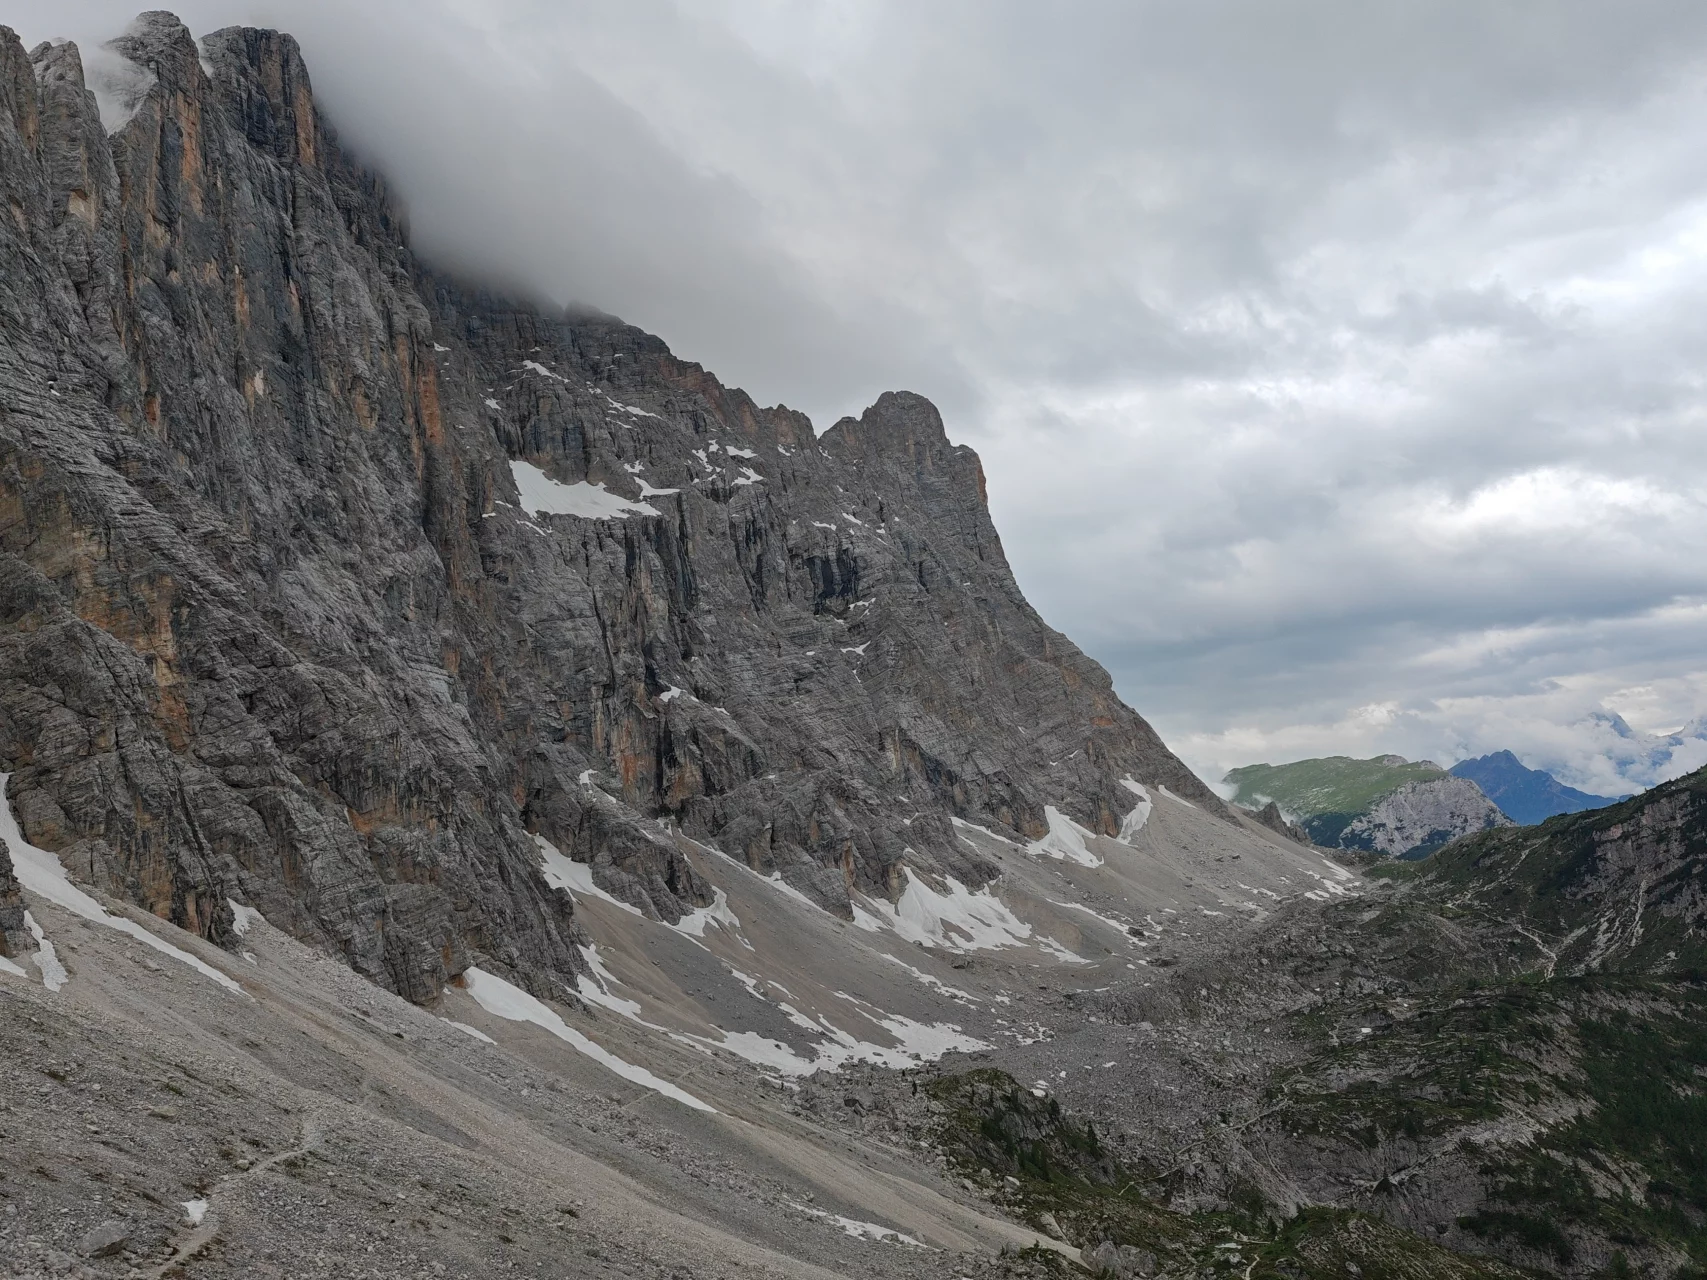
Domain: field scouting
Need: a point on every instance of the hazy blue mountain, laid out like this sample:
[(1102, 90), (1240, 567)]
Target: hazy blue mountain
[(1526, 795)]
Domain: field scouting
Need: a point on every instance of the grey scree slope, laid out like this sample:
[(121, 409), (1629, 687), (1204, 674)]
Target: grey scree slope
[(274, 626)]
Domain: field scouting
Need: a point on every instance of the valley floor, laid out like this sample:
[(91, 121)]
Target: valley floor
[(272, 1114), (1370, 1076)]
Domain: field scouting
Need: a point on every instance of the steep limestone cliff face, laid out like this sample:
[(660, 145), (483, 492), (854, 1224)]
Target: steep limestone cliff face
[(212, 684), (328, 584), (1420, 817)]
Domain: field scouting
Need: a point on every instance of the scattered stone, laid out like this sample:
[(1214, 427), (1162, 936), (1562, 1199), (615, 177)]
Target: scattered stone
[(105, 1241)]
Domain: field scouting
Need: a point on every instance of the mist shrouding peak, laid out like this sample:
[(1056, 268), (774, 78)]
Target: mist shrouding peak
[(1328, 382)]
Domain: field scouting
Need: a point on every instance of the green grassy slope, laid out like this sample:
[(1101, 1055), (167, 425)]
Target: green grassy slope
[(1503, 1071), (1334, 784), (1620, 888), (1049, 1169)]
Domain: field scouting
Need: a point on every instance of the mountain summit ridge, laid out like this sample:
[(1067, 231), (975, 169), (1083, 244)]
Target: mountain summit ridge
[(1525, 795), (280, 632)]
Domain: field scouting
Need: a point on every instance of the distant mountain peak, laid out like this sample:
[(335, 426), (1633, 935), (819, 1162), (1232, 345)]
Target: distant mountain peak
[(1526, 795), (1387, 804)]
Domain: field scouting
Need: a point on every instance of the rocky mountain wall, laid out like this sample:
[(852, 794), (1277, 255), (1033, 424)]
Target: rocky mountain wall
[(1419, 817), (329, 583), (1618, 888)]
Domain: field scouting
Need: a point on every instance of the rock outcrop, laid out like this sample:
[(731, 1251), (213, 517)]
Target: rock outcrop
[(1419, 817), (1271, 817), (1388, 804), (328, 583), (14, 937)]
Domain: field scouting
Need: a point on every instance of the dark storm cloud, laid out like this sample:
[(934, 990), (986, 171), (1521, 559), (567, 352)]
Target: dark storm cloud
[(1337, 366)]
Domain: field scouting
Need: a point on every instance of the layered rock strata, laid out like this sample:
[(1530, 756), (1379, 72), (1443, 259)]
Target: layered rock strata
[(331, 585)]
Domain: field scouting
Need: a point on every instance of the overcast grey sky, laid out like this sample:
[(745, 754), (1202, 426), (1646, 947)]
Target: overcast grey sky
[(1339, 368)]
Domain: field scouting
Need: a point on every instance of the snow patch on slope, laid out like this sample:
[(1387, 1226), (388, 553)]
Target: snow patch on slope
[(694, 923), (774, 879), (935, 983), (915, 1042), (859, 1230), (46, 959), (513, 1004), (1334, 885), (863, 1230), (242, 918), (537, 367), (1176, 799), (597, 989), (1119, 926), (41, 873), (956, 918), (1066, 840), (577, 877), (973, 826), (636, 410), (544, 496), (473, 1032), (1134, 822)]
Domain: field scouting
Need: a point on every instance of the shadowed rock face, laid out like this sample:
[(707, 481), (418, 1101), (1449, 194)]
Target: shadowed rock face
[(1272, 818), (276, 626), (14, 940)]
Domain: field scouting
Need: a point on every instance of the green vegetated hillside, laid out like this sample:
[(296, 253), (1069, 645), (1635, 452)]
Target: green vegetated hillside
[(1516, 1060), (1309, 789), (1495, 1066), (1384, 805), (1558, 1125), (1621, 887), (1050, 1169)]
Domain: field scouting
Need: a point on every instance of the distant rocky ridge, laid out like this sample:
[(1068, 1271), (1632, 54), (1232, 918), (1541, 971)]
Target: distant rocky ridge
[(328, 583), (1524, 795), (1386, 805)]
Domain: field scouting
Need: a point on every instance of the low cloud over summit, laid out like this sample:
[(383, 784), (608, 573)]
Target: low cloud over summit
[(1336, 367)]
